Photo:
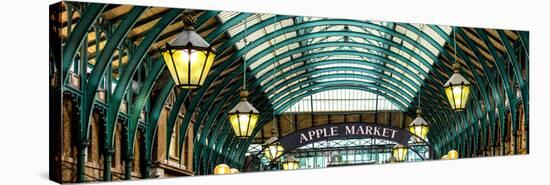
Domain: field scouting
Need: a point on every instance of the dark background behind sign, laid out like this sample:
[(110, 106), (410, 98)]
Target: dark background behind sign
[(292, 141)]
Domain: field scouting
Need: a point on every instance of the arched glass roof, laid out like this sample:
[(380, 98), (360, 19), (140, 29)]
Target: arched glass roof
[(293, 53)]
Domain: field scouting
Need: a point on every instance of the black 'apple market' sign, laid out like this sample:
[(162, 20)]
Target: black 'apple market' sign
[(345, 131)]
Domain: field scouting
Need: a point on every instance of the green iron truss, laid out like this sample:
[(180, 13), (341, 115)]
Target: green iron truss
[(374, 60)]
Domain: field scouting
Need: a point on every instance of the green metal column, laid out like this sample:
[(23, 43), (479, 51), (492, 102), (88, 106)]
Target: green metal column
[(82, 132), (147, 170), (108, 157), (81, 160), (128, 166)]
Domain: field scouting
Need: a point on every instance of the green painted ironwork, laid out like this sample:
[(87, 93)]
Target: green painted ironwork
[(451, 130)]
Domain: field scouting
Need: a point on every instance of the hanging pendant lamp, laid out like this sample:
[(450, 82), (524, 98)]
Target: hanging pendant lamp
[(399, 152), (419, 126), (457, 88), (243, 117), (291, 163), (272, 148), (188, 57)]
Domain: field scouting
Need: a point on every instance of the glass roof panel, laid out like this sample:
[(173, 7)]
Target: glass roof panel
[(342, 100)]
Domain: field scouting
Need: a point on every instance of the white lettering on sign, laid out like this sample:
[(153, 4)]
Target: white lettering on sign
[(351, 130), (333, 131), (318, 133), (303, 138), (370, 130)]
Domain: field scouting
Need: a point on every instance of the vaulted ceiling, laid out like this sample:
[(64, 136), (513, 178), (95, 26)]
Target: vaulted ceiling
[(291, 57)]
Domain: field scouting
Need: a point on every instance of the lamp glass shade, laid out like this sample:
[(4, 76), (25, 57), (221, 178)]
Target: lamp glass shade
[(243, 123), (294, 165), (399, 152), (453, 154), (457, 96), (457, 89), (243, 117), (234, 170), (419, 127), (222, 169), (420, 130), (273, 151), (188, 66), (290, 163), (188, 56)]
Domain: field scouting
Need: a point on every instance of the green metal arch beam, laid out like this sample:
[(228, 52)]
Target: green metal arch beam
[(351, 53), (516, 67), (502, 74), (509, 90), (339, 61), (132, 66), (299, 26), (277, 97), (490, 75), (354, 53), (340, 69), (104, 60), (76, 38), (342, 52), (143, 96), (343, 68), (333, 44)]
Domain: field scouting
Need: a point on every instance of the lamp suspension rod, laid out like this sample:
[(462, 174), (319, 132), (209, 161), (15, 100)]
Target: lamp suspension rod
[(245, 52), (454, 38), (274, 65), (419, 89)]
